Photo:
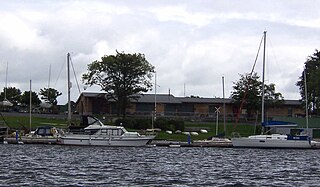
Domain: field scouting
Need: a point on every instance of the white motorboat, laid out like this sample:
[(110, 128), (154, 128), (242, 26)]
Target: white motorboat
[(98, 134)]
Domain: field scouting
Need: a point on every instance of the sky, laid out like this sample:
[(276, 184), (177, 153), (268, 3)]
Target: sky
[(191, 43)]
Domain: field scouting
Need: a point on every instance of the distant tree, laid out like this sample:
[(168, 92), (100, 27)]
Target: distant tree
[(121, 76), (312, 69), (249, 91), (25, 98), (50, 95), (12, 94)]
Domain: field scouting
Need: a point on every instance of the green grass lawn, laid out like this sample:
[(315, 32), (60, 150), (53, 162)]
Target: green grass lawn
[(24, 122), (241, 128)]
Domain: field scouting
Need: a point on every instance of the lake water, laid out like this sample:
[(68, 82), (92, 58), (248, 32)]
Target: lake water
[(55, 165)]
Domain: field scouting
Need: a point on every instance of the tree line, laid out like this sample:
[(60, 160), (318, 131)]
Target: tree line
[(17, 98)]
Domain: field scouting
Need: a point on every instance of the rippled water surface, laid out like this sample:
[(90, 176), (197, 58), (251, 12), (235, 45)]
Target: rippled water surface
[(54, 165)]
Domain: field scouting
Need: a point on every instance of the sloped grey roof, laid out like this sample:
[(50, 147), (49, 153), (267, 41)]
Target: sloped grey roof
[(203, 100), (161, 98), (292, 102), (166, 98)]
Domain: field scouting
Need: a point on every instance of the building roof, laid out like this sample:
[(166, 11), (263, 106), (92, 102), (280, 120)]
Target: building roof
[(168, 98), (203, 100), (160, 98), (292, 102)]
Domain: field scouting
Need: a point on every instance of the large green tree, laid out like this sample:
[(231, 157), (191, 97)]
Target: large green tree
[(25, 98), (122, 76), (248, 93), (312, 70), (50, 95), (12, 94)]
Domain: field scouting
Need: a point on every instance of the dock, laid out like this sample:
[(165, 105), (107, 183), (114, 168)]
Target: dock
[(168, 143)]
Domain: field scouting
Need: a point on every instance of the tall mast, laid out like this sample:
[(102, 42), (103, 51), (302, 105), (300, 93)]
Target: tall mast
[(263, 72), (306, 95), (224, 107), (30, 107), (69, 87), (5, 87)]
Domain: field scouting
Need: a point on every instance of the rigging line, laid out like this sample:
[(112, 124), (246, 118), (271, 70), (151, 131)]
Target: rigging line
[(255, 61), (48, 91), (274, 56), (247, 87), (75, 76), (62, 67), (5, 87)]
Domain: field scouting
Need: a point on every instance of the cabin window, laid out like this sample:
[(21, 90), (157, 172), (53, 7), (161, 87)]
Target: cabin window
[(91, 131), (115, 132), (109, 132)]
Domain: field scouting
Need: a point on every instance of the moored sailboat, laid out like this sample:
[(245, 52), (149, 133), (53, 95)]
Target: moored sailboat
[(272, 140)]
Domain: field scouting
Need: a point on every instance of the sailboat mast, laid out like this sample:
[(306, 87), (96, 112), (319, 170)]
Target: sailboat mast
[(5, 87), (30, 107), (69, 87), (263, 72), (306, 95)]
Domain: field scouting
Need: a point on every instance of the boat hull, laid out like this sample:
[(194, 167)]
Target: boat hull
[(33, 140), (270, 143), (105, 141)]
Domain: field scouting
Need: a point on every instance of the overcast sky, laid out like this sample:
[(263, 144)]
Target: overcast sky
[(191, 43)]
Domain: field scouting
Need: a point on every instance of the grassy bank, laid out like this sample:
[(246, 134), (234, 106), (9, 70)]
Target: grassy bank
[(23, 122)]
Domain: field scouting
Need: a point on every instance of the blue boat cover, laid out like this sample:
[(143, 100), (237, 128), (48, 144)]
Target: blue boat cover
[(278, 124)]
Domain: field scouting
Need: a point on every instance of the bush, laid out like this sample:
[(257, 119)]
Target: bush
[(134, 123), (172, 125), (142, 124), (127, 123), (177, 124)]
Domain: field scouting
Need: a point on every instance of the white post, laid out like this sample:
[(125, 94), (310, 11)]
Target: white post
[(217, 119)]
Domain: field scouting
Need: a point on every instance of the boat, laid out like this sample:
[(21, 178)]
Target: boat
[(42, 135), (92, 132), (98, 134), (213, 142), (272, 140)]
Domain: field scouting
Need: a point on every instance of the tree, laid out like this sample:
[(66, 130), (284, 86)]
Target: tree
[(50, 95), (249, 91), (122, 76), (12, 94), (25, 98), (312, 70)]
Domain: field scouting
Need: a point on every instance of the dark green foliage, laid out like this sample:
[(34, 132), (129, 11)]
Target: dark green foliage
[(249, 91), (145, 123), (12, 94), (167, 124), (50, 95), (177, 124), (132, 123), (122, 76), (126, 122), (25, 98), (312, 69)]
